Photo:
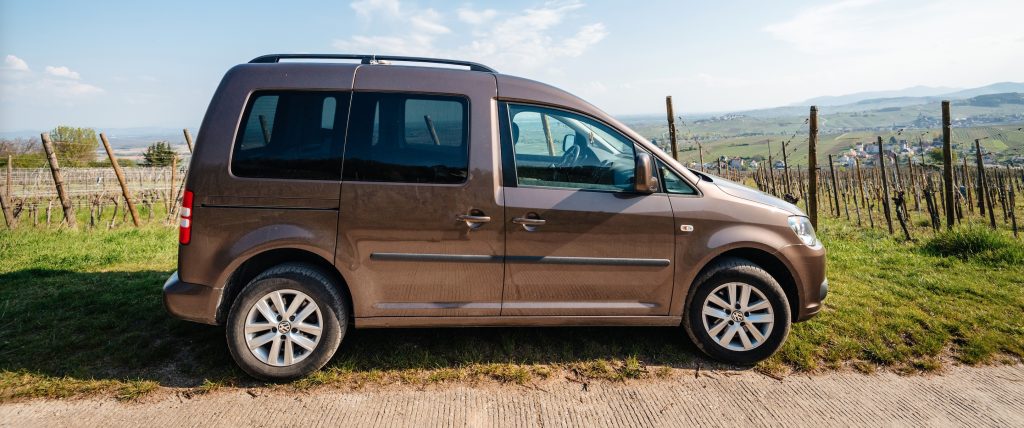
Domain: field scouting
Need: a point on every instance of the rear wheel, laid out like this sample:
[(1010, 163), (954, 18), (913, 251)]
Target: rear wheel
[(286, 323), (738, 313)]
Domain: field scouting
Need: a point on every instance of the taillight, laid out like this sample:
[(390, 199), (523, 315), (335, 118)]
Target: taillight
[(185, 228)]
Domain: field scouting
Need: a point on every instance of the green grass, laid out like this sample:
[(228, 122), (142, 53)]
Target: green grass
[(81, 314)]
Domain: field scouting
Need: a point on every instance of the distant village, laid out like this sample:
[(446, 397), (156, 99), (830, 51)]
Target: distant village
[(923, 151)]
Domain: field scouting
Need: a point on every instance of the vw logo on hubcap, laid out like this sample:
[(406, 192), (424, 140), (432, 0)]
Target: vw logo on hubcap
[(737, 316), (284, 326)]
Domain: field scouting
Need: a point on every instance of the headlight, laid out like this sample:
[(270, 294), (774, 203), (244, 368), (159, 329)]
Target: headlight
[(802, 228)]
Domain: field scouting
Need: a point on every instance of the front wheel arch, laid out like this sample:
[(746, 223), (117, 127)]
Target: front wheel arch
[(763, 259)]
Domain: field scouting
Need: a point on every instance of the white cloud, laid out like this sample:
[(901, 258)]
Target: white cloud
[(525, 41), (418, 29), (59, 85), (14, 63), (366, 8), (513, 41), (475, 17), (418, 45), (428, 21), (63, 72)]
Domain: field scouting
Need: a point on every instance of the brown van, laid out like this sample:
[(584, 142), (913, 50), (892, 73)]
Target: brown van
[(328, 195)]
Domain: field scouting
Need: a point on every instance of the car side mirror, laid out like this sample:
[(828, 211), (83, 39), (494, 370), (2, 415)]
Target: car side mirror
[(645, 180)]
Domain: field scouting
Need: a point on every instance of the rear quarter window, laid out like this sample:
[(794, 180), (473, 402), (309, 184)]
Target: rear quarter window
[(408, 138), (292, 135)]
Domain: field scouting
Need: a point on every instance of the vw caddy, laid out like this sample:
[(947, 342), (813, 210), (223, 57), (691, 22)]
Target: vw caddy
[(347, 191)]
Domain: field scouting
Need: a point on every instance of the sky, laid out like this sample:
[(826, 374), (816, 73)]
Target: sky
[(120, 64)]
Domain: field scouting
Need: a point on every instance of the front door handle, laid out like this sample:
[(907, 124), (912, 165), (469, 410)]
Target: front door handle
[(529, 221)]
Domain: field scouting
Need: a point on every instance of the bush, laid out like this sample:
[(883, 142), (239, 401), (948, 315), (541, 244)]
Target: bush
[(977, 242)]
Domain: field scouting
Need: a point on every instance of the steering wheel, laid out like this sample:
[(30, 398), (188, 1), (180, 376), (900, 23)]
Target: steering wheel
[(570, 157)]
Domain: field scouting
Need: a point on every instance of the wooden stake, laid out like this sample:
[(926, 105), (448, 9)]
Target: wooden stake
[(547, 134), (835, 186), (700, 155), (120, 180), (188, 139), (983, 185), (947, 164), (10, 169), (672, 127), (58, 181), (885, 185), (785, 169), (812, 168), (5, 205)]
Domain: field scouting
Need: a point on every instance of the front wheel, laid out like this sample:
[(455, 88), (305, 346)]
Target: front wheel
[(286, 323), (738, 313)]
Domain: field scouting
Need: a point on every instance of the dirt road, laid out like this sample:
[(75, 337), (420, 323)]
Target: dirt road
[(987, 396)]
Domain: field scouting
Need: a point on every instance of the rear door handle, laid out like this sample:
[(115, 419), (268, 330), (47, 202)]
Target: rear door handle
[(473, 218)]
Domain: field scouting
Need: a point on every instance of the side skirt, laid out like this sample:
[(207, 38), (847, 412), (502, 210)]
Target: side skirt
[(519, 321)]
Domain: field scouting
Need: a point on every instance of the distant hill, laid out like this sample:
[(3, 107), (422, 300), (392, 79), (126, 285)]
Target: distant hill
[(916, 91)]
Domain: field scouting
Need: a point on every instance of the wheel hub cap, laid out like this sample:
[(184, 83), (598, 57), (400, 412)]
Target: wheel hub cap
[(283, 327), (738, 316)]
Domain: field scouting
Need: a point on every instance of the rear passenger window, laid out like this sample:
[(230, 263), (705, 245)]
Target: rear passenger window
[(408, 138), (297, 135)]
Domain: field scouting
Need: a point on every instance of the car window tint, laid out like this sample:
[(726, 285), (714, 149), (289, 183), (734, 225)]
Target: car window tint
[(408, 138), (291, 134), (555, 148)]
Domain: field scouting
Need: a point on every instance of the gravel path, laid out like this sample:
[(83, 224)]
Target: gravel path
[(986, 396)]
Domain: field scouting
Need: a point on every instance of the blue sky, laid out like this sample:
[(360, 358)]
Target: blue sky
[(127, 64)]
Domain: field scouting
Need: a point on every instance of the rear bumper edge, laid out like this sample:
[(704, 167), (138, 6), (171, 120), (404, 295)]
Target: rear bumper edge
[(190, 302)]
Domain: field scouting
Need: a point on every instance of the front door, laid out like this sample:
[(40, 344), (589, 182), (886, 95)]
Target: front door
[(580, 241), (420, 225)]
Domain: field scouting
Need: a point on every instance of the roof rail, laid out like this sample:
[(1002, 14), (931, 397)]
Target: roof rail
[(371, 59)]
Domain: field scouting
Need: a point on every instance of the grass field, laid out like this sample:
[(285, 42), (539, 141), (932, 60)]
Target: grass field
[(81, 314)]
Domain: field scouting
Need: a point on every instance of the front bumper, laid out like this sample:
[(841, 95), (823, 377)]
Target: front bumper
[(808, 267), (191, 302)]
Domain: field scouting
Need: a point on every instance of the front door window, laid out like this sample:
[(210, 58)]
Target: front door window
[(560, 149)]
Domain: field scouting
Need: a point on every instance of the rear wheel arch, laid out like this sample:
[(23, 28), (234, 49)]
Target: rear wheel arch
[(771, 263), (261, 262)]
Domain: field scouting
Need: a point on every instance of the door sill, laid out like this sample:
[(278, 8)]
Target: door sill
[(519, 321)]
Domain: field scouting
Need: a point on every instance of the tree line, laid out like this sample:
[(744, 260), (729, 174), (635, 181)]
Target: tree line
[(76, 147)]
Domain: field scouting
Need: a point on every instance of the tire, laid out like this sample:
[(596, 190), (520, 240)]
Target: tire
[(760, 328), (282, 286)]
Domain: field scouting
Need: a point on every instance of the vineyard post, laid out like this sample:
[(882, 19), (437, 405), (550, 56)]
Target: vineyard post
[(700, 155), (885, 185), (967, 186), (771, 171), (947, 165), (671, 127), (835, 186), (982, 185), (1013, 201), (10, 170), (913, 181), (188, 139), (58, 181), (120, 180), (547, 134), (812, 168), (174, 178), (785, 169), (8, 215)]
